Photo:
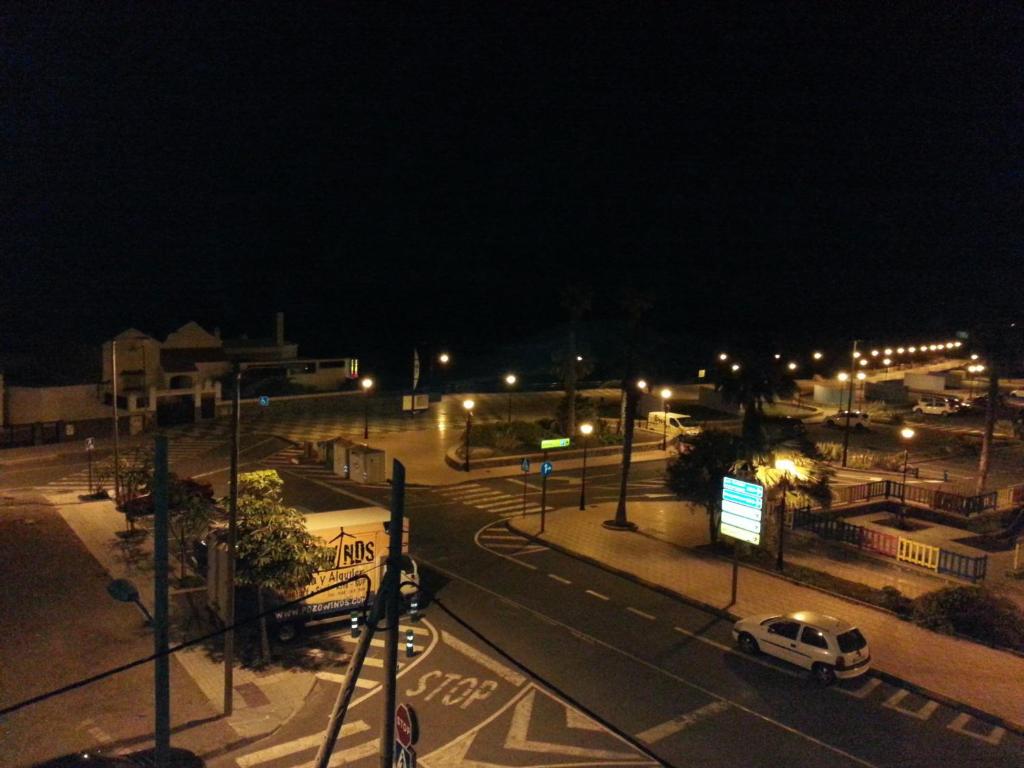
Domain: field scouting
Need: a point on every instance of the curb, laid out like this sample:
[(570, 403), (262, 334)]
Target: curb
[(948, 701)]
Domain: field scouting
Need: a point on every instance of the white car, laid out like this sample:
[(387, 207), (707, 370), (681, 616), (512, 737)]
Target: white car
[(858, 419), (938, 405), (827, 646), (1017, 394)]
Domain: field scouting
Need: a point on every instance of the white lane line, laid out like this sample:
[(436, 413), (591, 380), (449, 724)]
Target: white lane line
[(296, 745), (532, 550), (350, 755), (677, 724), (864, 690), (993, 737), (503, 505), (731, 649), (640, 613), (485, 529), (529, 511), (335, 677), (598, 595), (507, 674), (654, 667), (559, 579), (494, 535), (893, 702)]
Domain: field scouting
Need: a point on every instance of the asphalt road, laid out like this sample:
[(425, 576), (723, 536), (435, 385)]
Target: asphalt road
[(603, 664)]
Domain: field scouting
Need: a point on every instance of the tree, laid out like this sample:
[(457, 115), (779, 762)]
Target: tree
[(274, 549), (136, 476), (750, 388), (1001, 344), (697, 474)]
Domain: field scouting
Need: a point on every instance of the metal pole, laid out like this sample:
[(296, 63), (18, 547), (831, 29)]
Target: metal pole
[(469, 425), (849, 402), (524, 492), (782, 525), (664, 427), (117, 455), (735, 570), (583, 481), (543, 493), (162, 669), (903, 487), (229, 607), (89, 453), (366, 414), (392, 611), (510, 407)]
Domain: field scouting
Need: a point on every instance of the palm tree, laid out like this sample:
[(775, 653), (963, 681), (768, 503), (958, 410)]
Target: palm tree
[(698, 473), (750, 388), (1001, 344)]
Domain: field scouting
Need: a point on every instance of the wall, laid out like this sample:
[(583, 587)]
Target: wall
[(707, 397), (925, 382), (80, 402), (831, 394)]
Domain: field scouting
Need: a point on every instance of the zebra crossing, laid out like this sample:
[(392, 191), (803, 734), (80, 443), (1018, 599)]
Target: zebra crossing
[(488, 499), (371, 676), (498, 539), (179, 449)]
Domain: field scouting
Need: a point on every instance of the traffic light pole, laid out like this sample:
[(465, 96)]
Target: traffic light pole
[(392, 613)]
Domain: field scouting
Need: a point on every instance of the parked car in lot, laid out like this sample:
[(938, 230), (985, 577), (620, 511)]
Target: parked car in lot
[(827, 646), (938, 405), (858, 419)]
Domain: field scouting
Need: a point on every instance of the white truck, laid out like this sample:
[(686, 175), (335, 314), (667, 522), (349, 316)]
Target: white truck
[(359, 538), (676, 423)]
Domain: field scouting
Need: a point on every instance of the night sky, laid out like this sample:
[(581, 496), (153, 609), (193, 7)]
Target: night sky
[(436, 173)]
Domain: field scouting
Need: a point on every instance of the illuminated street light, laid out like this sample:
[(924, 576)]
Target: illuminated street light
[(900, 350), (579, 358), (443, 358), (887, 362), (912, 350), (888, 351), (585, 430), (468, 405), (665, 393), (974, 356), (856, 354), (723, 357), (641, 384), (874, 353), (792, 366), (906, 433), (510, 380), (735, 367), (778, 356), (367, 386), (862, 361), (843, 376), (817, 355)]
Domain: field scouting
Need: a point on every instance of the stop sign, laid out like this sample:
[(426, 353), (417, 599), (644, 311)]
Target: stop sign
[(405, 726)]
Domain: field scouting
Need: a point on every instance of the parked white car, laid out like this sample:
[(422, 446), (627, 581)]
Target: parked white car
[(827, 646), (1017, 393), (858, 419), (938, 405)]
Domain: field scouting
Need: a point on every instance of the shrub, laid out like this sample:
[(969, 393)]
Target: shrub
[(896, 601), (972, 611)]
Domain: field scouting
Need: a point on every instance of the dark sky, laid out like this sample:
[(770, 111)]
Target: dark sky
[(437, 172)]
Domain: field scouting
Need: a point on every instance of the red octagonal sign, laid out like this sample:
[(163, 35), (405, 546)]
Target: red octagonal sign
[(405, 726)]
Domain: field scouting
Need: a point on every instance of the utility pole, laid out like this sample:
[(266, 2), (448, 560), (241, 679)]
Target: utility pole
[(162, 669), (849, 402), (392, 614), (229, 606), (117, 460), (391, 580)]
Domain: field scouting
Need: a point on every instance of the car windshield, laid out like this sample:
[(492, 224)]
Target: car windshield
[(851, 641)]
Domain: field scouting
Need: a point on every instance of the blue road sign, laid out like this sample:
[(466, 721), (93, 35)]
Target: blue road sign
[(264, 400), (545, 468), (525, 465)]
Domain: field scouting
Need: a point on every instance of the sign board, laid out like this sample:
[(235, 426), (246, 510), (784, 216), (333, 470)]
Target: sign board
[(404, 758), (415, 402), (741, 510), (701, 373), (545, 468), (406, 732), (90, 443), (557, 442), (264, 400), (525, 465)]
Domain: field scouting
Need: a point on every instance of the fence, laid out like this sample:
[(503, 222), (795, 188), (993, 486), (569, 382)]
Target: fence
[(929, 497), (897, 547)]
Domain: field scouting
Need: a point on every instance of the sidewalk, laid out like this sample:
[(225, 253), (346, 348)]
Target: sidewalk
[(263, 700), (943, 667)]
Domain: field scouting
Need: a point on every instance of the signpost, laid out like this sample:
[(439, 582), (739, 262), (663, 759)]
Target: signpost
[(526, 471), (740, 518), (264, 400), (406, 734), (545, 470), (555, 442), (90, 445)]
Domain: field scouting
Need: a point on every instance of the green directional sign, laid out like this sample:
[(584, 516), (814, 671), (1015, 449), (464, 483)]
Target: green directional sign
[(556, 442)]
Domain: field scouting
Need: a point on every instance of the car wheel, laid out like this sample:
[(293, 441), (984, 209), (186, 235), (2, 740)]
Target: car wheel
[(748, 644), (823, 674), (859, 427), (287, 632), (918, 411)]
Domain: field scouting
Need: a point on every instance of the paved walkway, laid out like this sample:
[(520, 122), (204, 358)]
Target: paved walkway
[(946, 667)]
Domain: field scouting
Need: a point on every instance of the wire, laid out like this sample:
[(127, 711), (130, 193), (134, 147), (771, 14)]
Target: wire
[(174, 649), (547, 683)]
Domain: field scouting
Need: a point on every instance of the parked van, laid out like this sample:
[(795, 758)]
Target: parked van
[(676, 423), (937, 405)]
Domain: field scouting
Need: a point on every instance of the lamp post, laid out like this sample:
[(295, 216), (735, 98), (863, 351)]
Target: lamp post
[(787, 468), (861, 376), (510, 380), (443, 359), (887, 362), (585, 430), (367, 385), (665, 395), (468, 405), (849, 407), (906, 433)]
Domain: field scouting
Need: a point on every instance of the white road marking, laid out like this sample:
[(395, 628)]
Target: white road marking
[(677, 724), (507, 674), (477, 541), (532, 550), (532, 509), (328, 486), (598, 595), (334, 677), (993, 737), (640, 613), (864, 690), (518, 738), (893, 702), (493, 535), (559, 578), (296, 745), (349, 756)]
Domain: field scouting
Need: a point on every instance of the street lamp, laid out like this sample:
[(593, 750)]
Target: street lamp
[(367, 384), (468, 405), (792, 366), (817, 355), (787, 468), (887, 362), (906, 433), (723, 357), (585, 430), (443, 359), (860, 377), (641, 385), (510, 380), (665, 395), (735, 367)]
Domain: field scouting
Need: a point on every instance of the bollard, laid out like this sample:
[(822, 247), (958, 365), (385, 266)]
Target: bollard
[(414, 607), (354, 619), (409, 648)]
